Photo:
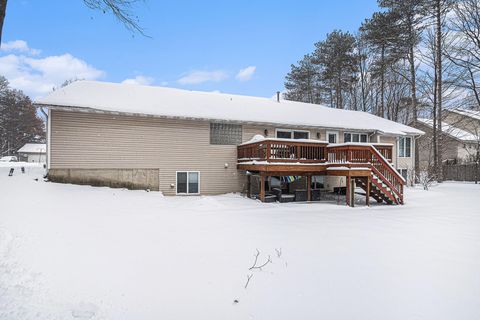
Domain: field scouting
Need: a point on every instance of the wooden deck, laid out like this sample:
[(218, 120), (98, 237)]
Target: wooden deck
[(368, 165)]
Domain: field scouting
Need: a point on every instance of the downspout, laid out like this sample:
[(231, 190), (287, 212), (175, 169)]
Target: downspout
[(415, 156), (49, 128), (396, 152)]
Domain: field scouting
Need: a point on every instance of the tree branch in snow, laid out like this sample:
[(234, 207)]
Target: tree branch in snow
[(249, 276), (254, 266), (279, 252)]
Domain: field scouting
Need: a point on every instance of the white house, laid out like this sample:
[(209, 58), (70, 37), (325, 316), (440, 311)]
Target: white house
[(33, 152)]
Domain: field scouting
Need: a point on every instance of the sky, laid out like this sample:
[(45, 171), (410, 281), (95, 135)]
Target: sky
[(236, 46)]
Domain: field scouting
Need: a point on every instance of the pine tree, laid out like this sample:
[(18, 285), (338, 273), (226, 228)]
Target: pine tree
[(302, 82), (383, 36), (338, 64)]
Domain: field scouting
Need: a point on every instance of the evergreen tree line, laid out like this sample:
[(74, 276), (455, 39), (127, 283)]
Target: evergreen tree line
[(412, 58), (19, 122)]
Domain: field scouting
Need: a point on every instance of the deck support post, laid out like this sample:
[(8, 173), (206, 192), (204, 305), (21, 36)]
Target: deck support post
[(368, 181), (249, 186), (262, 187), (350, 191), (347, 193), (309, 185)]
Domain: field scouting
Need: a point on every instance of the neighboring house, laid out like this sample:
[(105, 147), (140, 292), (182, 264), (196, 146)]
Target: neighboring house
[(458, 145), (461, 137), (186, 142), (467, 120), (33, 152)]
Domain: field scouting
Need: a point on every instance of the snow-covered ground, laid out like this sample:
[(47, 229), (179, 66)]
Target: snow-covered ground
[(79, 252)]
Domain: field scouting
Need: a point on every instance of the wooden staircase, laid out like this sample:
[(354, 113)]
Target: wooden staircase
[(384, 183), (378, 190)]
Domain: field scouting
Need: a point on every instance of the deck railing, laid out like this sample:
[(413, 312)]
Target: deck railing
[(386, 150), (369, 155), (279, 150)]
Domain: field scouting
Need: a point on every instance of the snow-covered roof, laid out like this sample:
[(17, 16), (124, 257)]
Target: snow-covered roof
[(452, 131), (33, 148), (468, 113), (177, 103)]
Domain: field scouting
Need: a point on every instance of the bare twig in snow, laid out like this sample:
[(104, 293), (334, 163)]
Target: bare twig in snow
[(279, 252), (249, 276), (254, 266), (256, 259)]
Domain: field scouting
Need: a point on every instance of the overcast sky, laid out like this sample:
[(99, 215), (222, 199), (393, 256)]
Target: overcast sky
[(237, 46)]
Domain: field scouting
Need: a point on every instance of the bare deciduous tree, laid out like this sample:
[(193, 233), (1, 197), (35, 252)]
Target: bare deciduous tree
[(121, 9)]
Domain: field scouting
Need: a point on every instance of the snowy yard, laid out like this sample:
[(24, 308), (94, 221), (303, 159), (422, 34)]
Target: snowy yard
[(78, 252)]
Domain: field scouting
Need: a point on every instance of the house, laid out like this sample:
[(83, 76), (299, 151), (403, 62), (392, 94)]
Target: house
[(467, 120), (33, 152), (184, 142), (461, 137)]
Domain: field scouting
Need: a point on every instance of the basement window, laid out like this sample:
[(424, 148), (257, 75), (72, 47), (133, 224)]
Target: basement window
[(188, 182), (225, 134)]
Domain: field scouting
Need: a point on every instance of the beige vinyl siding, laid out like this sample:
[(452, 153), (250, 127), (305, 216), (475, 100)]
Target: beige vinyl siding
[(103, 141)]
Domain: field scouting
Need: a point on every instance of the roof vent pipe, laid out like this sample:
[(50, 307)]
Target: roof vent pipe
[(278, 96)]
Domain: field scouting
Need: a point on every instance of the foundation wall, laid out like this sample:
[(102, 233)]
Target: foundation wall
[(115, 178)]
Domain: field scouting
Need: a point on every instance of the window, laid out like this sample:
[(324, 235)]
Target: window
[(188, 182), (301, 134), (332, 136), (292, 134), (405, 147), (284, 134), (225, 133), (404, 173), (355, 137)]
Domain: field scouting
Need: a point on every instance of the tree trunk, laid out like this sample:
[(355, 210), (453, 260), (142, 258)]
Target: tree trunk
[(3, 10), (413, 83), (362, 83), (434, 127), (382, 84), (439, 89), (339, 91)]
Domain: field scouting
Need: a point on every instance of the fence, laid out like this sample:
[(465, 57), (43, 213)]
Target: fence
[(461, 172)]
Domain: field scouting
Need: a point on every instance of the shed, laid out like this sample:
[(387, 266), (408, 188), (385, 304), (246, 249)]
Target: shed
[(33, 152)]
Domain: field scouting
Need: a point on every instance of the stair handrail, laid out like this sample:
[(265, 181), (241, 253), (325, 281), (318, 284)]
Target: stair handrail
[(401, 181)]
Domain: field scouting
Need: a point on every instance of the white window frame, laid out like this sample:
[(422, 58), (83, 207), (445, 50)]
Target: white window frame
[(400, 155), (291, 131), (335, 133), (360, 134), (188, 173)]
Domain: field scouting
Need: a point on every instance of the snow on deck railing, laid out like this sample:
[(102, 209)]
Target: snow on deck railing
[(358, 144), (263, 139)]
